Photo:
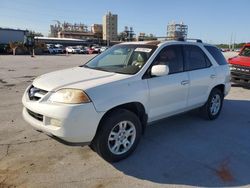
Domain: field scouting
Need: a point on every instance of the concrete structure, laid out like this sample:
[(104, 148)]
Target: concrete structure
[(12, 35), (110, 27), (97, 30), (175, 31)]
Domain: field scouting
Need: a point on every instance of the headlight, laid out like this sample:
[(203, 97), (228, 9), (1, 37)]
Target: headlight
[(69, 96)]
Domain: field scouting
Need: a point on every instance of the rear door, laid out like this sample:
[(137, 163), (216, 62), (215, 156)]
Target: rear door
[(201, 73), (168, 94)]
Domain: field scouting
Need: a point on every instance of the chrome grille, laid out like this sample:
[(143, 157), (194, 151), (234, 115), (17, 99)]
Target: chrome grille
[(36, 94), (240, 69)]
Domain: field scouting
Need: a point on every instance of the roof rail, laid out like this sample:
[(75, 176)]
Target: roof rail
[(197, 40), (180, 39), (167, 38)]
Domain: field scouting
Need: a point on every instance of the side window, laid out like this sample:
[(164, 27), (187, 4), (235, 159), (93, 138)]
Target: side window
[(171, 56), (195, 58), (217, 55)]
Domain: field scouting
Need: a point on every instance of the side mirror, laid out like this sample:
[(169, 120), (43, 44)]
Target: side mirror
[(159, 70)]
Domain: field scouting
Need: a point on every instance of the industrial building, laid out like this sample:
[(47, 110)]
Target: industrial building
[(146, 37), (12, 35), (126, 35), (76, 31), (110, 26), (106, 31), (175, 31)]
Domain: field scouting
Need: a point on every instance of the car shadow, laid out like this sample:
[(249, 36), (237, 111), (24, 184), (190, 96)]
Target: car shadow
[(188, 150), (240, 85)]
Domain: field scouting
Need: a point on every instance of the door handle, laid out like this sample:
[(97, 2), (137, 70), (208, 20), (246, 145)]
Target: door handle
[(212, 76), (184, 82)]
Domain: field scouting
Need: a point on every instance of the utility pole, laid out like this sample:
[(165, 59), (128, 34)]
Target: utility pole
[(234, 41), (230, 44)]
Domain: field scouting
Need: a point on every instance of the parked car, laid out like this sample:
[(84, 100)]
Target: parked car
[(83, 50), (225, 49), (103, 48), (90, 50), (58, 46), (58, 50), (97, 49), (94, 50), (109, 101), (240, 66), (51, 50), (73, 50), (54, 50), (237, 50), (69, 49)]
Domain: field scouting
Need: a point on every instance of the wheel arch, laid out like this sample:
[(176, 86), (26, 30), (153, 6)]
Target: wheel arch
[(136, 107), (221, 87)]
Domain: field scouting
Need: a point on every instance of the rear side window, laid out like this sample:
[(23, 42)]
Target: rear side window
[(195, 58), (217, 55)]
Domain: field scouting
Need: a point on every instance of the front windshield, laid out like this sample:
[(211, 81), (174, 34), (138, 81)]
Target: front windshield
[(124, 59), (245, 51)]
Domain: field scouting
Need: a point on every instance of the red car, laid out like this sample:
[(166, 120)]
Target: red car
[(93, 50), (240, 66)]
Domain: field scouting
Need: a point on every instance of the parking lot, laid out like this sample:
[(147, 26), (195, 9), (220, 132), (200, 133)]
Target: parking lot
[(180, 151)]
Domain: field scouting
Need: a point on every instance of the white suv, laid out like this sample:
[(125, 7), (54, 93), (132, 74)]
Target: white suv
[(109, 101)]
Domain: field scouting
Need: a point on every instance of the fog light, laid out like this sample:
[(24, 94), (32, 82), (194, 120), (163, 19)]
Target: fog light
[(55, 122)]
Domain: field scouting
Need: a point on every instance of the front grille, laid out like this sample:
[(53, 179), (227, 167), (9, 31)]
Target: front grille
[(240, 74), (36, 94), (37, 116), (240, 69)]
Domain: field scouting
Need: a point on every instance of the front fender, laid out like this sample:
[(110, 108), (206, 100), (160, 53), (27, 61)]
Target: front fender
[(108, 96)]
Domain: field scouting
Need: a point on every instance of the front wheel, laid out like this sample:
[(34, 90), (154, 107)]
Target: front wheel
[(118, 135), (211, 110)]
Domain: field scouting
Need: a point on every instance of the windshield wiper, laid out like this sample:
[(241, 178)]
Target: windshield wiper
[(100, 68), (85, 65), (96, 68)]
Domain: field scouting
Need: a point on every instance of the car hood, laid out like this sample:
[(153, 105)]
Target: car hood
[(240, 60), (77, 77)]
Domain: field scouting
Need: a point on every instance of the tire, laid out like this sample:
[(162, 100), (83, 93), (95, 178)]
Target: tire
[(117, 136), (212, 108)]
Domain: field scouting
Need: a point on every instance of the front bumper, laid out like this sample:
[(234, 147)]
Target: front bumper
[(240, 74), (240, 78), (75, 123)]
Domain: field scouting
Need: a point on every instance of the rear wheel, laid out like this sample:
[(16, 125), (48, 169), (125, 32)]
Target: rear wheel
[(118, 135), (211, 110)]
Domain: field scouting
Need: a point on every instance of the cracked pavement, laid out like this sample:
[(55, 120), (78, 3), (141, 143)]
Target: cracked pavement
[(182, 151)]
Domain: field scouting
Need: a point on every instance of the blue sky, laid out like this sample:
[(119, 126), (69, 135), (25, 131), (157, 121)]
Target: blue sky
[(214, 21)]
